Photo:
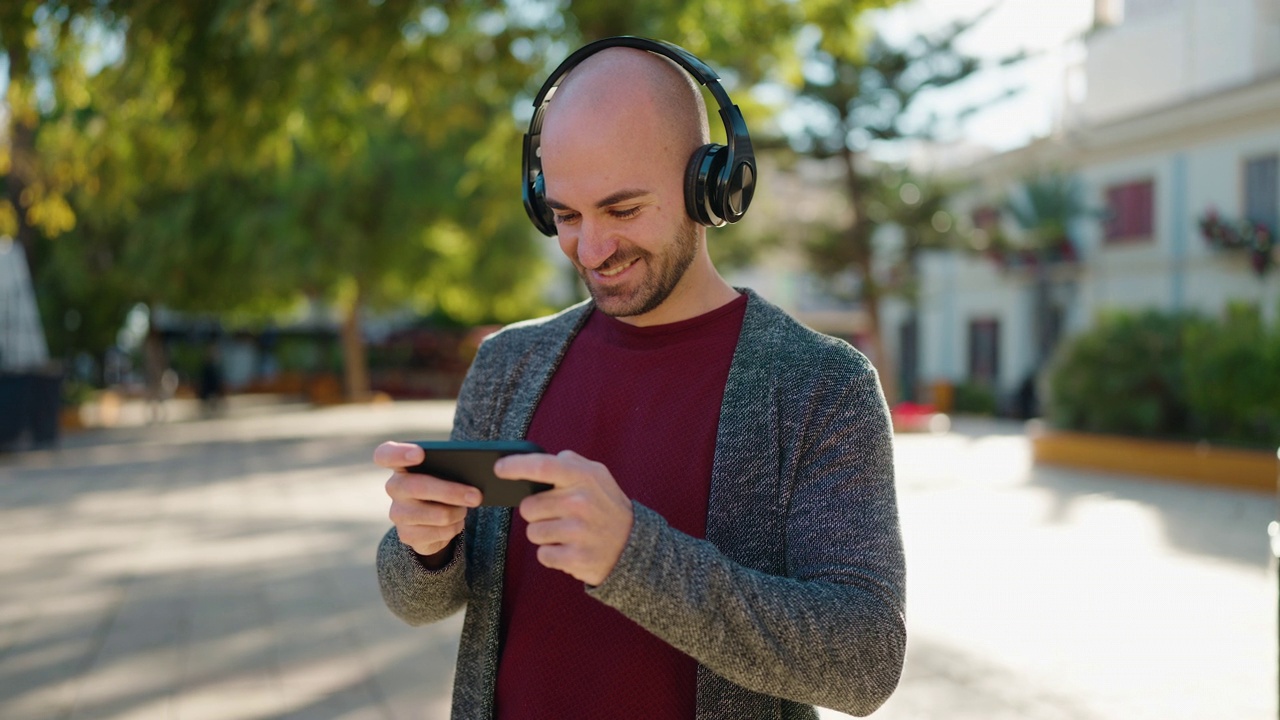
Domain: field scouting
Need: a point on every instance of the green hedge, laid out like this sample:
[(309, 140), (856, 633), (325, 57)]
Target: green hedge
[(1182, 376), (1232, 371), (974, 399)]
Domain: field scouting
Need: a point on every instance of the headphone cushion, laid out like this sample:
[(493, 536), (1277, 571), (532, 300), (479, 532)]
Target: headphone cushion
[(702, 184)]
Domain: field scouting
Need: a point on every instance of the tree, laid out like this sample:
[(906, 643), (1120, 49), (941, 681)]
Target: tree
[(42, 43), (238, 152), (323, 151), (1045, 207), (892, 198), (862, 95)]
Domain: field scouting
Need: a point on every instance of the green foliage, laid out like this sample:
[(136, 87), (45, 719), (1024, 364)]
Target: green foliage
[(1044, 207), (866, 86), (1232, 371), (755, 38), (186, 359), (239, 155), (1158, 374), (1124, 376), (43, 42), (862, 90), (974, 399), (895, 197), (75, 392)]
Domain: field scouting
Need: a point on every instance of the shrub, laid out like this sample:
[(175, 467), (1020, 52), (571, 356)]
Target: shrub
[(1123, 376), (1232, 372), (974, 399), (1169, 375)]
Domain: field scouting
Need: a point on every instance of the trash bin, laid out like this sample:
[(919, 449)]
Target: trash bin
[(44, 401), (31, 402), (13, 401)]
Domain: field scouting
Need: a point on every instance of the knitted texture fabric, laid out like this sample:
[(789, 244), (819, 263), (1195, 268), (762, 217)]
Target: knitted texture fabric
[(796, 596)]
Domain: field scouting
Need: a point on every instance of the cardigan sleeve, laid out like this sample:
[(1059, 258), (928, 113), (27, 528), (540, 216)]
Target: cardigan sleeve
[(829, 632), (414, 593)]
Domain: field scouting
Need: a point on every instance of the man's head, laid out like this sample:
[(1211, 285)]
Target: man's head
[(616, 140)]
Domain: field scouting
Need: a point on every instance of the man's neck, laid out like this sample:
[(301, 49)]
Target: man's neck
[(692, 296)]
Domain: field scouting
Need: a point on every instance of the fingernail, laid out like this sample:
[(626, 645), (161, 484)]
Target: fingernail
[(408, 455), (473, 498)]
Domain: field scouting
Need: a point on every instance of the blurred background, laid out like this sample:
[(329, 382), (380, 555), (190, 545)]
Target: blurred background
[(319, 198), (243, 236)]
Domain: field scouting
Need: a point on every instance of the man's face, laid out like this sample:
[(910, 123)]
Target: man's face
[(620, 216), (633, 280)]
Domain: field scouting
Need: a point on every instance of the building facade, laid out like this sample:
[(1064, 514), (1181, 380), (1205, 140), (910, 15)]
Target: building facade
[(1175, 121)]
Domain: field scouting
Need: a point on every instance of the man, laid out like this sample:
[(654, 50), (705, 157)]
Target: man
[(721, 538)]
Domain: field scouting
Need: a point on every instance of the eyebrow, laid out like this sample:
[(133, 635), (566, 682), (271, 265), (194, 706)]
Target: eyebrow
[(613, 199)]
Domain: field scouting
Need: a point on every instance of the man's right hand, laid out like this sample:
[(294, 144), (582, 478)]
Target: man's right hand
[(428, 512)]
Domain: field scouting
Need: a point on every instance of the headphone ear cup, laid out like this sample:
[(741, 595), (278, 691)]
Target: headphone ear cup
[(703, 194), (533, 190), (535, 205)]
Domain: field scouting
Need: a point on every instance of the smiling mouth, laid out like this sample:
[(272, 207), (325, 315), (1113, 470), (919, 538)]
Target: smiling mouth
[(619, 269)]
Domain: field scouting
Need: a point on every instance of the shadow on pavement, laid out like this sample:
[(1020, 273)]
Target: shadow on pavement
[(1224, 523), (224, 578)]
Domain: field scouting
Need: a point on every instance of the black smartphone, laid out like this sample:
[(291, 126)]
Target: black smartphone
[(471, 463)]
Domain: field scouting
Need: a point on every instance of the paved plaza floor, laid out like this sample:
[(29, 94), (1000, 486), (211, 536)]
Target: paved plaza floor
[(223, 569)]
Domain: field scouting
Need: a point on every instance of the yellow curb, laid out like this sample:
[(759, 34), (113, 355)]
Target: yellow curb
[(1256, 470)]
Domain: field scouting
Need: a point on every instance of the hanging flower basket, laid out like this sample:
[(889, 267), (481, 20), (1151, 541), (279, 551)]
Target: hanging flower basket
[(1258, 240)]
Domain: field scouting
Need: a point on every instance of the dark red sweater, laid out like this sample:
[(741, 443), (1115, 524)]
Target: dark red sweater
[(645, 401)]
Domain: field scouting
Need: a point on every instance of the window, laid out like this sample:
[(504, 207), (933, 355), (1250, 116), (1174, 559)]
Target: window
[(1130, 211), (1261, 191), (984, 351)]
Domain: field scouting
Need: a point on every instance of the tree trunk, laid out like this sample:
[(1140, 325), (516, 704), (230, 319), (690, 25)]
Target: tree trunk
[(859, 236), (1042, 310), (875, 345), (355, 364)]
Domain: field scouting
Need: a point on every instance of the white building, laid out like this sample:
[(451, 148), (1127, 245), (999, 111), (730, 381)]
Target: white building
[(1177, 113)]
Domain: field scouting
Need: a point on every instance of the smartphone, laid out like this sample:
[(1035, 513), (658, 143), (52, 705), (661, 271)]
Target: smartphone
[(471, 463)]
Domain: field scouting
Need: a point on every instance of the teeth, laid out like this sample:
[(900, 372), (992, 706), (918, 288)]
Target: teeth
[(620, 268)]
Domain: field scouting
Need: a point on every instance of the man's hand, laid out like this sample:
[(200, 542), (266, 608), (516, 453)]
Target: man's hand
[(428, 512), (582, 523)]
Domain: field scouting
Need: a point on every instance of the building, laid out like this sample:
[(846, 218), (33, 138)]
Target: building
[(1172, 115)]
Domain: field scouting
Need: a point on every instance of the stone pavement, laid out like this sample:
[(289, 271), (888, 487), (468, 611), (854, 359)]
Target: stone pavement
[(223, 569)]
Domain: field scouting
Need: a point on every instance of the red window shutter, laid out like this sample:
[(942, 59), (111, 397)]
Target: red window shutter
[(1132, 211)]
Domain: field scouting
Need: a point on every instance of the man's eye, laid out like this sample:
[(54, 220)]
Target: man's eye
[(624, 214), (562, 219)]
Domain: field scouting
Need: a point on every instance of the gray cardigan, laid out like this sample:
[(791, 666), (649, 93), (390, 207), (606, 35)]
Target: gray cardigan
[(795, 597)]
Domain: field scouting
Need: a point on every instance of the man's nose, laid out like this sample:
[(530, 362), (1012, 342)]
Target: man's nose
[(595, 243)]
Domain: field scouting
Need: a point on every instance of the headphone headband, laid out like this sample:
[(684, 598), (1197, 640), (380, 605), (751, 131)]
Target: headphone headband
[(700, 71), (721, 179)]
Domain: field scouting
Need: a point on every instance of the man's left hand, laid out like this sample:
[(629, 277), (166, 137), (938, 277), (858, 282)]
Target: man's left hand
[(582, 523)]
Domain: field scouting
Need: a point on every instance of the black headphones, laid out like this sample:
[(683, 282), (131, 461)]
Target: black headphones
[(719, 181)]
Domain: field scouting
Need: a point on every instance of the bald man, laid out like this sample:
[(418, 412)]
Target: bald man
[(721, 538)]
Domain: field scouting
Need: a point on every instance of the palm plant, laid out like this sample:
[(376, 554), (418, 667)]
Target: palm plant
[(1045, 207)]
